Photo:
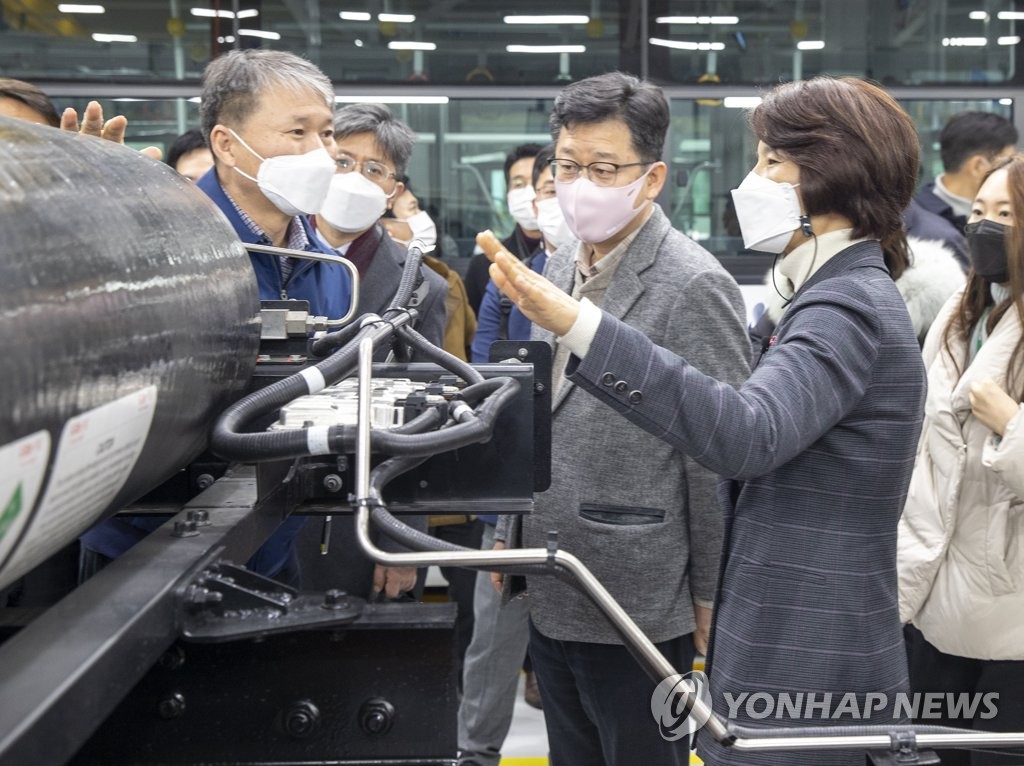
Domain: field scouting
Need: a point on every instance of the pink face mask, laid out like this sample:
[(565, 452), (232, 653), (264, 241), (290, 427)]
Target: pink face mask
[(597, 213)]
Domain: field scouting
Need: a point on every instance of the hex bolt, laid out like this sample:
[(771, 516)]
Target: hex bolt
[(185, 529), (204, 480), (538, 388), (301, 719), (377, 716), (522, 353), (200, 516), (172, 706), (333, 482), (173, 658), (335, 599)]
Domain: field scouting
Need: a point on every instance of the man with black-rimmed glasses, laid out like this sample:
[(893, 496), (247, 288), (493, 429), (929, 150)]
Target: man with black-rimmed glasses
[(371, 149), (641, 515)]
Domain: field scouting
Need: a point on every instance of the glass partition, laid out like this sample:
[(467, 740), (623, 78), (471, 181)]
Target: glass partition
[(486, 42), (457, 166)]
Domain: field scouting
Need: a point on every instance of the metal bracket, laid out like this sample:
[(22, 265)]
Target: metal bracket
[(903, 752), (227, 603)]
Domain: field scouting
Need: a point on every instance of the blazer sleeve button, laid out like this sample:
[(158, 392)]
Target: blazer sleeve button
[(635, 397), (608, 378), (620, 386)]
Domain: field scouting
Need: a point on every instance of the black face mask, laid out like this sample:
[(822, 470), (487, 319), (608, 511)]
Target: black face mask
[(986, 241)]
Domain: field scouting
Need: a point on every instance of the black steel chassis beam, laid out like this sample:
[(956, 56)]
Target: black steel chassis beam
[(64, 673)]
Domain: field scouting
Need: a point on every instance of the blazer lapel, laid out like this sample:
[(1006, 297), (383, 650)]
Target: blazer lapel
[(382, 276), (561, 272), (626, 287)]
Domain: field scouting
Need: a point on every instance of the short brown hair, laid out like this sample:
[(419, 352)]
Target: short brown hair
[(32, 97), (857, 151)]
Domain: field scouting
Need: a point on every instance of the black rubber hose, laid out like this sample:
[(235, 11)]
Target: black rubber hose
[(410, 277), (443, 358), (324, 345), (228, 439), (230, 444)]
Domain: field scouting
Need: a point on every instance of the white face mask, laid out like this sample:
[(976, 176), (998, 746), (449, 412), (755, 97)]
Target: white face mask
[(768, 213), (597, 213), (354, 203), (552, 223), (520, 205), (295, 183), (423, 229)]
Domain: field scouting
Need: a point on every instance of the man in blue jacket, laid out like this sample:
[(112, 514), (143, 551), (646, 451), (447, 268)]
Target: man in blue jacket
[(268, 117)]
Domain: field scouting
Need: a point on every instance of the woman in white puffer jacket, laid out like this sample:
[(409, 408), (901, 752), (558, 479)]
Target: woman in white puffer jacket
[(961, 537)]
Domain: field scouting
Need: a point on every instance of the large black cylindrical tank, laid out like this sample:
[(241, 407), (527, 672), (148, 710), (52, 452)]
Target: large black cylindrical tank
[(128, 321)]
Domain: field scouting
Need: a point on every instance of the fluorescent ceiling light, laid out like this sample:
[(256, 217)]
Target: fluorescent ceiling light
[(686, 45), (963, 42), (391, 99), (209, 13), (979, 15), (195, 100), (1009, 40), (399, 45), (811, 45), (698, 19), (398, 18), (546, 48), (354, 16), (547, 19), (71, 8), (1010, 15), (1006, 102), (741, 102), (102, 37), (259, 33)]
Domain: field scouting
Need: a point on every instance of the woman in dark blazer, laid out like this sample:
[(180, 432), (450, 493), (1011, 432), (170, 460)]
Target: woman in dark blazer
[(818, 445)]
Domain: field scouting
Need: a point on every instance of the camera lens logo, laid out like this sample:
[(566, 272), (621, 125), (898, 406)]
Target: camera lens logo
[(669, 705)]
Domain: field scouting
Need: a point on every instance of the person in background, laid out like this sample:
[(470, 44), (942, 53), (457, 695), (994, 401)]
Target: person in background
[(970, 144), (525, 237), (817, 445), (501, 632), (24, 101), (190, 155), (498, 319), (657, 552), (405, 220), (372, 149), (961, 562), (267, 116)]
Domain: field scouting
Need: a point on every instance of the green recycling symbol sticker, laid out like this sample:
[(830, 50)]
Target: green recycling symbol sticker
[(10, 511)]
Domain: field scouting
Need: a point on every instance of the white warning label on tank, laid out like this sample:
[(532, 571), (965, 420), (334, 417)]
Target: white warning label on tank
[(22, 467), (93, 459)]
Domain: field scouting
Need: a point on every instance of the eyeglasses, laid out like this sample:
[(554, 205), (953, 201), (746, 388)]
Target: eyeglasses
[(600, 173), (377, 172)]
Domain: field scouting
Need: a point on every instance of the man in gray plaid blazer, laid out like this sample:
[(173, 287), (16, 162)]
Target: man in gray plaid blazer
[(643, 516)]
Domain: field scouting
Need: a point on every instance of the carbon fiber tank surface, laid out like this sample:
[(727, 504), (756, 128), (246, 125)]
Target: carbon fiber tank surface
[(129, 320)]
